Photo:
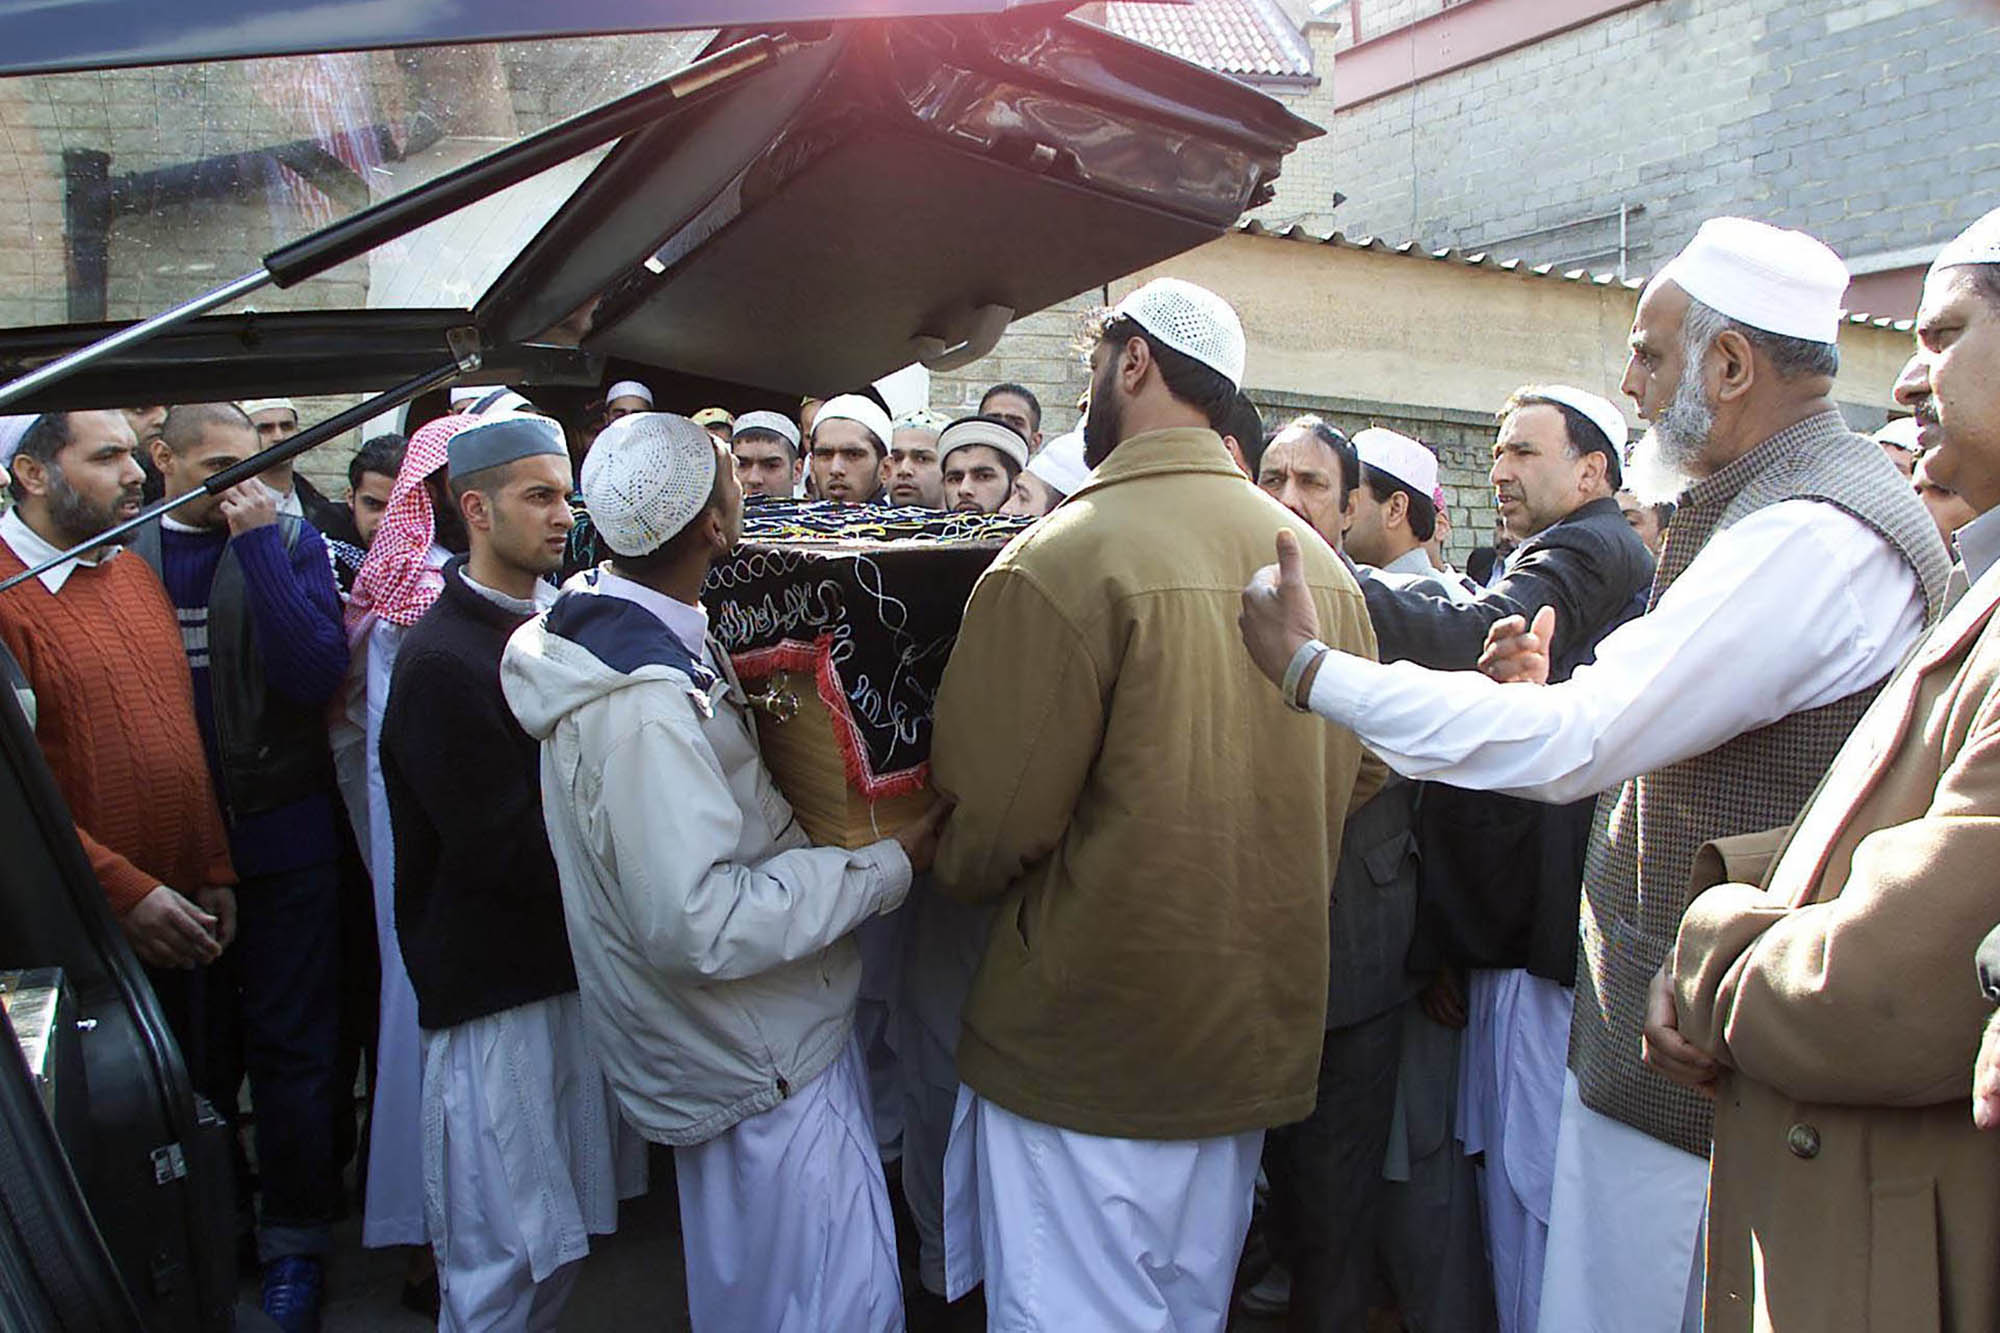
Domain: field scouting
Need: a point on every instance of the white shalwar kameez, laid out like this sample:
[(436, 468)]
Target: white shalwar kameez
[(394, 1214), (525, 1159), (1625, 1229), (785, 1219), (1510, 1086), (1077, 1231), (1804, 574)]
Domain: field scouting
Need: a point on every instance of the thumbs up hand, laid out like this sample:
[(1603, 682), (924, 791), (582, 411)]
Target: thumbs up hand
[(1278, 613)]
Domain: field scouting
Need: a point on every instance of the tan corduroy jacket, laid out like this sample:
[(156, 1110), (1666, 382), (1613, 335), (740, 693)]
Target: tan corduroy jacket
[(1848, 1188), (1159, 830)]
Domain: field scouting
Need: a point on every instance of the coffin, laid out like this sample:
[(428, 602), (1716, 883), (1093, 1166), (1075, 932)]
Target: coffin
[(839, 620)]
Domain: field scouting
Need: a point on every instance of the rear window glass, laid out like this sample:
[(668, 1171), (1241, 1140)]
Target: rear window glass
[(131, 190)]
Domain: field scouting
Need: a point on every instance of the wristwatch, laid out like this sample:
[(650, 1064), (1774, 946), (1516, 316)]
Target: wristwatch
[(1309, 652)]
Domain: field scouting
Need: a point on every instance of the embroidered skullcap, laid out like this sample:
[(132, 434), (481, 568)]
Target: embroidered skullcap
[(1399, 456), (776, 422), (924, 418), (629, 389), (1061, 465), (503, 439), (12, 431), (252, 406), (646, 478), (1192, 320), (860, 409), (713, 416), (975, 430), (1899, 433), (1783, 282), (1977, 244)]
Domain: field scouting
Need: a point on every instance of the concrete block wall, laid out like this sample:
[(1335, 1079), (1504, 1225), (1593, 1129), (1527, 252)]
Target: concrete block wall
[(1314, 172), (1867, 122), (1463, 442)]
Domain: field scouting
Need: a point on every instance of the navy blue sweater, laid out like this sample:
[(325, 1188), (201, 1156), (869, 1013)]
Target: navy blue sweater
[(295, 613), (479, 911)]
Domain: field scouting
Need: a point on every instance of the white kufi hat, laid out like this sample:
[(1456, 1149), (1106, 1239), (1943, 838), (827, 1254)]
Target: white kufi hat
[(1061, 465), (857, 408), (1192, 320), (1401, 457), (1977, 244), (1783, 282), (646, 478), (1599, 411), (992, 434), (12, 431)]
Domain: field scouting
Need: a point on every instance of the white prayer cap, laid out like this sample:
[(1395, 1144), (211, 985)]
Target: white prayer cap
[(647, 476), (776, 422), (857, 408), (484, 400), (1061, 465), (1600, 412), (1783, 282), (973, 430), (629, 389), (12, 430), (252, 406), (1193, 321), (1977, 244), (1899, 433), (1399, 456)]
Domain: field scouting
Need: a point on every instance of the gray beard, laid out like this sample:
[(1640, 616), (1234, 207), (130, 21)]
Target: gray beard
[(1668, 456)]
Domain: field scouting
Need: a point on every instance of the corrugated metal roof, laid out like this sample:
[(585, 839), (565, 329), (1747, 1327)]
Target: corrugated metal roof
[(1485, 259), (1251, 39)]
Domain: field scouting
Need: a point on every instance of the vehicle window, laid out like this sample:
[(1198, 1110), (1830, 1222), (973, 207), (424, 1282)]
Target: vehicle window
[(134, 189)]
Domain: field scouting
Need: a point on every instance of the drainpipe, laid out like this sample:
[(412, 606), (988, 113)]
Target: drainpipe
[(87, 206)]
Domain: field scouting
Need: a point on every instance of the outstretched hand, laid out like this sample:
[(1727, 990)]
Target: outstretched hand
[(1278, 613), (1515, 652)]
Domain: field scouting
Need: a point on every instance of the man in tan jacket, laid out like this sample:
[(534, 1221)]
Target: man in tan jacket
[(1158, 833), (1822, 1000)]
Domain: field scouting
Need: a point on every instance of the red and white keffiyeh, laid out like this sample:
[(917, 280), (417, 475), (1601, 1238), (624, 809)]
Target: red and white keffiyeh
[(397, 581)]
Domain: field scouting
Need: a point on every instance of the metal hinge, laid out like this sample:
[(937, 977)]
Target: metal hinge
[(169, 1164), (466, 347)]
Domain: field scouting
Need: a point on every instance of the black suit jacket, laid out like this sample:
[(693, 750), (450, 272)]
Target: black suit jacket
[(1587, 565), (1500, 876)]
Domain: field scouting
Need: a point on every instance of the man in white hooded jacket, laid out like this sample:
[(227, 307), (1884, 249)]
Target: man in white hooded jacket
[(713, 944)]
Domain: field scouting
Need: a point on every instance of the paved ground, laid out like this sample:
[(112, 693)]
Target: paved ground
[(632, 1280)]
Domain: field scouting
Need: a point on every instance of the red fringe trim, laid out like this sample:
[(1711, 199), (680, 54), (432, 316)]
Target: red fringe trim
[(817, 658)]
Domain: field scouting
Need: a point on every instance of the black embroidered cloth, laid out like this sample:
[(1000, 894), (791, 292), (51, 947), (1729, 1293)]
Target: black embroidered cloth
[(867, 599)]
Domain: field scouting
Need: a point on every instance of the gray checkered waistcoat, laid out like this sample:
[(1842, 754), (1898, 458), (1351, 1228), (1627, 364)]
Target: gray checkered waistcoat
[(1758, 780)]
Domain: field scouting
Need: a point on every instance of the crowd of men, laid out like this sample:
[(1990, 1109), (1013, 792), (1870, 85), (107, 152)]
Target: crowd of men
[(1586, 941)]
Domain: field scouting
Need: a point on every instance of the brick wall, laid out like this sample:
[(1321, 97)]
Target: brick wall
[(1868, 122)]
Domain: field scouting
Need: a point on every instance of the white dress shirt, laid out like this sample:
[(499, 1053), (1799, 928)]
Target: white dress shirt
[(33, 548), (1795, 606)]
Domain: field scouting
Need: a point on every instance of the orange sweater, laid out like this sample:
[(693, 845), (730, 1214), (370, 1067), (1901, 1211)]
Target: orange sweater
[(115, 718)]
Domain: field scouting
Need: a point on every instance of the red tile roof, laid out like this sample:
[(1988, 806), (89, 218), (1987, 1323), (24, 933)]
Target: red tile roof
[(1251, 39)]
